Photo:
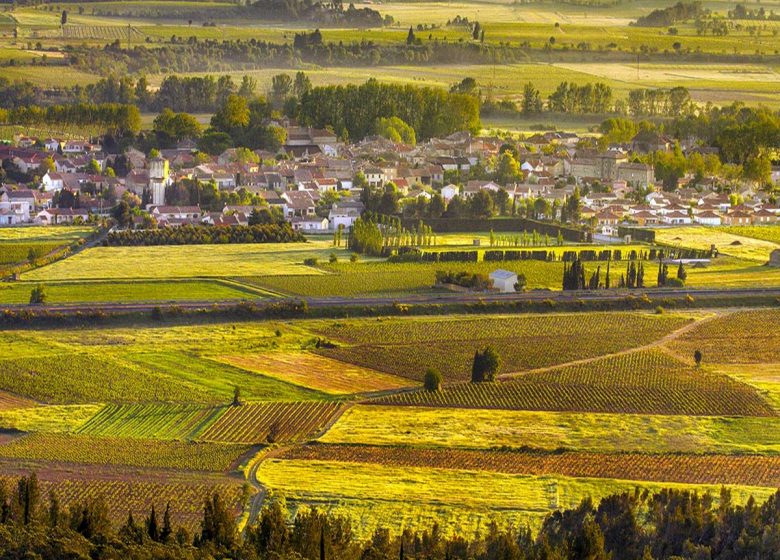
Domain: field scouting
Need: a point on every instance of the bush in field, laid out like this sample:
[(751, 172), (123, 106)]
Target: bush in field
[(38, 295), (486, 364), (697, 356), (432, 381)]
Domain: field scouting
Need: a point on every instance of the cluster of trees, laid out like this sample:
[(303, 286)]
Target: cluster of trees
[(587, 98), (191, 192), (324, 13), (674, 102), (663, 275), (485, 366), (210, 55), (740, 11), (476, 281), (112, 118), (633, 525), (574, 276), (206, 235), (664, 17), (366, 237), (353, 111)]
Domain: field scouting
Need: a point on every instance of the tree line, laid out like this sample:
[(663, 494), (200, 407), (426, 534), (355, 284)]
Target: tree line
[(111, 118), (353, 110), (633, 525), (205, 235)]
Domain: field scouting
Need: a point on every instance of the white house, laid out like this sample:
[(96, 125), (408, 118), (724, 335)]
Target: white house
[(708, 219), (344, 214), (503, 280), (449, 192), (310, 225), (52, 182)]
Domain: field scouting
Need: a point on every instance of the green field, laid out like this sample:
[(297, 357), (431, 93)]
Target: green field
[(162, 262), (130, 291), (183, 422)]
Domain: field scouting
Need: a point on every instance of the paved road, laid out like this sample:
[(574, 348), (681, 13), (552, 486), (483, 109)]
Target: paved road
[(444, 298)]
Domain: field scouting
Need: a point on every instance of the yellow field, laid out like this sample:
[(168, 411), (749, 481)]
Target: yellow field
[(701, 237), (188, 261), (317, 372), (460, 501), (463, 428)]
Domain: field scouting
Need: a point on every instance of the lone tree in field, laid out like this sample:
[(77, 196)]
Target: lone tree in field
[(697, 356), (38, 295), (237, 396), (432, 380), (682, 274), (485, 367)]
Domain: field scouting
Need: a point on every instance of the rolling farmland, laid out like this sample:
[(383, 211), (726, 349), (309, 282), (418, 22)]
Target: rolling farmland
[(410, 346), (647, 382)]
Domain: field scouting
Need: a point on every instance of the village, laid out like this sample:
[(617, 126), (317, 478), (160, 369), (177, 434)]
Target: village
[(316, 181)]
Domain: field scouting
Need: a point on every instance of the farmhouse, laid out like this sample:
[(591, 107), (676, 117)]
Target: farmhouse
[(504, 280)]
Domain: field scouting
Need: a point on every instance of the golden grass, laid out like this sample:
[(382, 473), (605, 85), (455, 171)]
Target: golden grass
[(317, 372)]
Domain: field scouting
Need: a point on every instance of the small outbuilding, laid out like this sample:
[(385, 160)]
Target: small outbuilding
[(503, 280), (774, 258)]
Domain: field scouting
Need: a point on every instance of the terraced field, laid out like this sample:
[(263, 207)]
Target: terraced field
[(645, 382), (272, 422), (170, 422), (407, 347)]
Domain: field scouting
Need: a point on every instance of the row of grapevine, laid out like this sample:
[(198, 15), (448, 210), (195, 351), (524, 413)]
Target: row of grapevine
[(151, 421), (272, 422), (92, 450), (138, 495), (753, 470)]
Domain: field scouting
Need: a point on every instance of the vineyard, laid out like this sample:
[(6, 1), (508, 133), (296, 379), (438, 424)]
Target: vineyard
[(153, 421), (645, 382), (9, 401), (89, 32), (463, 500), (317, 372), (75, 378), (409, 347), (383, 278), (691, 469), (124, 451), (137, 495), (272, 422), (11, 253), (550, 431), (765, 233), (740, 337)]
